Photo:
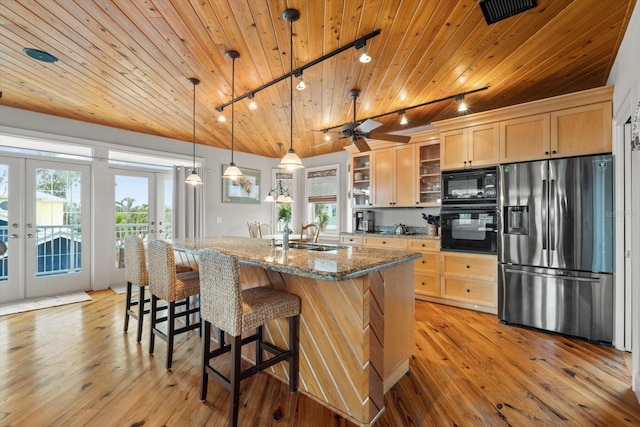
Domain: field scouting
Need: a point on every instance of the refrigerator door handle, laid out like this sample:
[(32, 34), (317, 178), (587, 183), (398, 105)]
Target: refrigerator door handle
[(545, 235), (552, 215), (553, 276)]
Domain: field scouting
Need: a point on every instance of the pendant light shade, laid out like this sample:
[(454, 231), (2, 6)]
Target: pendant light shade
[(291, 160), (194, 178), (232, 172)]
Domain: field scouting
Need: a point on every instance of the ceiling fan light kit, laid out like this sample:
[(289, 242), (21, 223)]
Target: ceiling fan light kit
[(194, 178), (232, 172)]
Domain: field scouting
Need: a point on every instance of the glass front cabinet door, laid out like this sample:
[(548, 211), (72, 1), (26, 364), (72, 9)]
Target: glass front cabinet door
[(361, 180), (428, 174)]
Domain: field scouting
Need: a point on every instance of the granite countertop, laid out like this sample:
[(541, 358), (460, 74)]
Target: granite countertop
[(392, 235), (344, 263)]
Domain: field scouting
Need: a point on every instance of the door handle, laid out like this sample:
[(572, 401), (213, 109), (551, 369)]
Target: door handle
[(553, 276), (545, 236), (552, 215), (29, 236), (14, 236)]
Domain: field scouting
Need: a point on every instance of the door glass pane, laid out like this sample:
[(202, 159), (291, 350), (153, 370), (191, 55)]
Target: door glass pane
[(132, 211), (58, 222), (4, 227), (167, 208)]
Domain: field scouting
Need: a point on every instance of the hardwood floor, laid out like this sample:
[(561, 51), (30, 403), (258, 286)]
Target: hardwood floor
[(73, 366)]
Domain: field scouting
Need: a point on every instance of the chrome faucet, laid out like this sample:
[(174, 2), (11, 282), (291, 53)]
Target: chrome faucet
[(285, 236)]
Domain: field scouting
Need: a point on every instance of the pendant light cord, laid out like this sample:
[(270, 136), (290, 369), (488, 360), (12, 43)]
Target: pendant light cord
[(291, 85), (233, 85), (194, 127)]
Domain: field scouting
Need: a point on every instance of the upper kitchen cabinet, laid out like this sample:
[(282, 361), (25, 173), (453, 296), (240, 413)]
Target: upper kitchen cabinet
[(361, 180), (569, 132), (394, 176), (428, 186), (581, 130), (524, 138), (474, 146)]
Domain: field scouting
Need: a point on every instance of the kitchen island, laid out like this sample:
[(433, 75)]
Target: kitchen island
[(356, 320)]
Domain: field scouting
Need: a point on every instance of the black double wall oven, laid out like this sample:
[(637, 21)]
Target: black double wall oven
[(469, 216)]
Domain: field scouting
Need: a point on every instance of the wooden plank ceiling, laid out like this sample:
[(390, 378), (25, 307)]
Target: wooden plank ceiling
[(125, 63)]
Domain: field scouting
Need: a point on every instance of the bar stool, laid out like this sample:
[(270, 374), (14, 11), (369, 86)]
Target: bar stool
[(235, 311), (166, 285), (135, 271)]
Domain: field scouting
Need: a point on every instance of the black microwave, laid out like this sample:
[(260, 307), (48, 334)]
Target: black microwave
[(477, 186)]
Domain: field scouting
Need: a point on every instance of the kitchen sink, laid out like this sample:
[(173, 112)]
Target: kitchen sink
[(313, 247)]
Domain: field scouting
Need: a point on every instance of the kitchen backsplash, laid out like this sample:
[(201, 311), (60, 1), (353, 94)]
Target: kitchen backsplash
[(410, 217)]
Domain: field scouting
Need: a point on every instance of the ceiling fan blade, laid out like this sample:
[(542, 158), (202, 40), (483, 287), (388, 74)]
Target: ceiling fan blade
[(389, 137), (361, 144), (368, 125)]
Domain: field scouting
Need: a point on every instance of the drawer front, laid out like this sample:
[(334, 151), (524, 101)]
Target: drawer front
[(481, 267), (484, 293), (351, 240), (424, 245), (385, 243), (427, 284), (429, 262)]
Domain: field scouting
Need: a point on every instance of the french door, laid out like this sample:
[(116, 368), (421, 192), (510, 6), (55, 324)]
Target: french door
[(142, 206), (45, 228)]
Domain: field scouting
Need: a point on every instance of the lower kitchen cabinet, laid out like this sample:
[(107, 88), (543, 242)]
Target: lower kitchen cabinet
[(384, 243), (351, 240), (426, 277), (469, 280)]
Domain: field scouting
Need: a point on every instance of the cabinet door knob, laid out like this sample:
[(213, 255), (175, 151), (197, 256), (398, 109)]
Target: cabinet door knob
[(422, 283), (423, 245), (546, 153), (468, 290), (423, 262), (469, 162), (553, 152), (465, 162), (468, 266)]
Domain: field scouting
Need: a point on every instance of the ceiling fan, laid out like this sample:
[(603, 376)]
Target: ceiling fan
[(359, 132)]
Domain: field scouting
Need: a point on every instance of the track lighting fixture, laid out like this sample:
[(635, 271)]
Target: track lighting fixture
[(301, 84), (364, 56), (252, 103), (326, 135), (462, 106), (291, 160), (194, 178), (232, 172), (357, 44), (221, 117), (403, 117)]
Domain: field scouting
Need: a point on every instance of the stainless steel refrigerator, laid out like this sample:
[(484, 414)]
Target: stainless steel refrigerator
[(556, 246)]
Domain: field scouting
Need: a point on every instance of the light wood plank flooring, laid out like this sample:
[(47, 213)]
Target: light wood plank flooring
[(73, 366)]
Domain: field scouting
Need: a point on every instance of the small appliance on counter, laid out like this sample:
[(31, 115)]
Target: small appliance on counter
[(363, 221)]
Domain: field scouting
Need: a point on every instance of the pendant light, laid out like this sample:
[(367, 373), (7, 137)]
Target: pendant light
[(194, 178), (291, 160), (232, 172), (279, 194)]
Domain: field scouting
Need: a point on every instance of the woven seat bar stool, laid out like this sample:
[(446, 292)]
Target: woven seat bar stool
[(135, 271), (235, 311), (165, 284), (135, 268)]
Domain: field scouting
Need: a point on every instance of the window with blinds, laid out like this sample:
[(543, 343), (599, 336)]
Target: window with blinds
[(322, 186)]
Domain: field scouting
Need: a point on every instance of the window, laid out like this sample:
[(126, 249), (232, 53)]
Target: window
[(322, 198)]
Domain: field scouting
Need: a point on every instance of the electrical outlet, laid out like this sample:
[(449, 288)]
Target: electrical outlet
[(219, 220)]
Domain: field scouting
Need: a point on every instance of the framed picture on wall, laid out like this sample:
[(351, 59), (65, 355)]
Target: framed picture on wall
[(245, 189)]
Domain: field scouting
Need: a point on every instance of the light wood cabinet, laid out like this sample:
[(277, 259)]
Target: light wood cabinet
[(524, 138), (384, 242), (394, 176), (475, 146), (351, 240), (428, 172), (581, 130), (426, 268), (568, 132), (361, 180), (470, 280)]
